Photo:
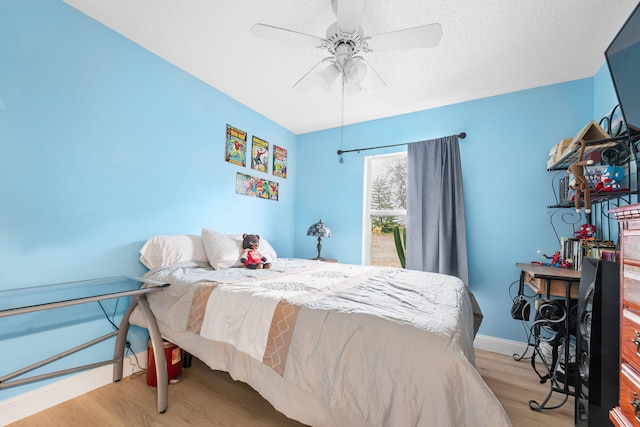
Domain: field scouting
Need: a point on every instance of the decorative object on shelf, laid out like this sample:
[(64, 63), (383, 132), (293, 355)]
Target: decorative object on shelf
[(319, 230), (610, 179), (557, 151), (565, 152), (579, 182), (586, 231), (236, 146)]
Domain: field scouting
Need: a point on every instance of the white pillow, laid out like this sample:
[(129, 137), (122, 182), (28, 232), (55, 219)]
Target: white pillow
[(160, 251), (223, 250)]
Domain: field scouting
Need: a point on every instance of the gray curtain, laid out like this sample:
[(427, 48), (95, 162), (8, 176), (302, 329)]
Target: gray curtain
[(436, 230)]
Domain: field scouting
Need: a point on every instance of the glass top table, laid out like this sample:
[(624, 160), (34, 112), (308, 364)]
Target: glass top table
[(46, 297), (14, 302)]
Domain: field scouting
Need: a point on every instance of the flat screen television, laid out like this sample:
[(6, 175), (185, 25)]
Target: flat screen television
[(623, 59)]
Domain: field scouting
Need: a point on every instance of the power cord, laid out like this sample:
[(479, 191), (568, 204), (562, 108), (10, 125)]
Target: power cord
[(129, 353), (132, 355), (526, 328)]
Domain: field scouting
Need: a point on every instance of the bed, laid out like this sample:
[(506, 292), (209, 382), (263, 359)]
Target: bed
[(327, 344)]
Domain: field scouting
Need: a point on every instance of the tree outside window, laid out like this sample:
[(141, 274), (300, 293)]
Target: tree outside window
[(386, 207)]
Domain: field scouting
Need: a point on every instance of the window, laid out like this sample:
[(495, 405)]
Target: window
[(385, 206)]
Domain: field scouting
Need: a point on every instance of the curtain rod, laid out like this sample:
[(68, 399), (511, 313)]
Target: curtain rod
[(462, 135)]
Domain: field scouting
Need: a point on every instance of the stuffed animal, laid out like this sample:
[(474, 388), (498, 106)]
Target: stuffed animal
[(586, 231), (251, 257), (579, 181), (610, 178)]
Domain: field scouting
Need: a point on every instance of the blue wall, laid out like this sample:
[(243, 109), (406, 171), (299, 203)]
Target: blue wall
[(103, 144), (504, 170)]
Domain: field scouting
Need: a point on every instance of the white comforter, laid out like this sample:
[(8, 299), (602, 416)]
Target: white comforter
[(334, 344)]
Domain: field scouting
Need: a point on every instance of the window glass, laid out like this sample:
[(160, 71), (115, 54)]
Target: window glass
[(385, 187)]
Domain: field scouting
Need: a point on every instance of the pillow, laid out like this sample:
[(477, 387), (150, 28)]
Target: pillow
[(160, 251), (223, 250)]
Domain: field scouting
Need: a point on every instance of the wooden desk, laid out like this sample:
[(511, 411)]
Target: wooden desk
[(551, 281)]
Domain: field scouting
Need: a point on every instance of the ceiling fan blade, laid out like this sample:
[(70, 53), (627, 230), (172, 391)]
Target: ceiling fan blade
[(349, 13), (410, 38), (288, 37), (326, 77)]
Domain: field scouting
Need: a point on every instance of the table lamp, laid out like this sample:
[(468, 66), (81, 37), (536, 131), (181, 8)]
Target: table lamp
[(319, 230)]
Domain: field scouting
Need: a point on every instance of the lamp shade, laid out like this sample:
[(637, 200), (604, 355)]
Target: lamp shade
[(319, 229)]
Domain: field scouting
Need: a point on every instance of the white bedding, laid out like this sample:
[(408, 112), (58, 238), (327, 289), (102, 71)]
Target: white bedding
[(334, 344)]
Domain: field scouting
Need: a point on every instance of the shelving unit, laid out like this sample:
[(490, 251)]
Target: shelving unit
[(601, 202)]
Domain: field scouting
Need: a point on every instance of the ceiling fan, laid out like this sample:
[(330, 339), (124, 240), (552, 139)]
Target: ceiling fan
[(345, 41)]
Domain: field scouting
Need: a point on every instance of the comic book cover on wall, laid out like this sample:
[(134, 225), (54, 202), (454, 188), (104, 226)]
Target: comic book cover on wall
[(256, 187), (236, 146), (279, 162), (259, 154)]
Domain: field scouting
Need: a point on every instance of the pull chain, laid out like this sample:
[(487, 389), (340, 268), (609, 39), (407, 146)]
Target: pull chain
[(340, 159)]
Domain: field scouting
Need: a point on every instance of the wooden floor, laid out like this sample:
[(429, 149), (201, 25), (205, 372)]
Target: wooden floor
[(211, 398), (515, 383)]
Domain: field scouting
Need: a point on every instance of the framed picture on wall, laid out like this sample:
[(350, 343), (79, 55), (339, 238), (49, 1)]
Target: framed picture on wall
[(259, 154), (256, 187), (236, 146), (279, 162)]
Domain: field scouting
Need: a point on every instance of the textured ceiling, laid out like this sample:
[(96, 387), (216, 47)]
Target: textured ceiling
[(488, 47)]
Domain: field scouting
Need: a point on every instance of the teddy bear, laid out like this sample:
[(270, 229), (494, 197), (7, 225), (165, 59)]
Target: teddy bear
[(251, 257)]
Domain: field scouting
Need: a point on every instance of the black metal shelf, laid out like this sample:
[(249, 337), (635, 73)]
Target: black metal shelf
[(591, 146), (601, 201), (596, 197)]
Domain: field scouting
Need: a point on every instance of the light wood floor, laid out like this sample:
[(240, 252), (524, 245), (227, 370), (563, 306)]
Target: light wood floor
[(211, 398)]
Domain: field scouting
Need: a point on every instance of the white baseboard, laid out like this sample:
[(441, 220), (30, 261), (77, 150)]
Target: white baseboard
[(34, 401), (499, 345)]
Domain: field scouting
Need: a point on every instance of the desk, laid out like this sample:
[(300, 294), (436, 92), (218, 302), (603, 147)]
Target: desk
[(15, 302), (564, 284), (550, 281)]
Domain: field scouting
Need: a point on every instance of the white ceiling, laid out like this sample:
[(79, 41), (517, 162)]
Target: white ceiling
[(488, 47)]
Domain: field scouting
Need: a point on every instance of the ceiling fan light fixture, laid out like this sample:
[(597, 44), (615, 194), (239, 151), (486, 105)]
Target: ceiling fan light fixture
[(355, 70), (351, 88), (328, 76), (345, 40)]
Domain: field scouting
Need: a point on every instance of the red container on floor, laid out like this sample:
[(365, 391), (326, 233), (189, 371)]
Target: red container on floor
[(173, 355)]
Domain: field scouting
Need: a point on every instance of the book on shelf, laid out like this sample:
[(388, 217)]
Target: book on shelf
[(610, 255), (573, 250)]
